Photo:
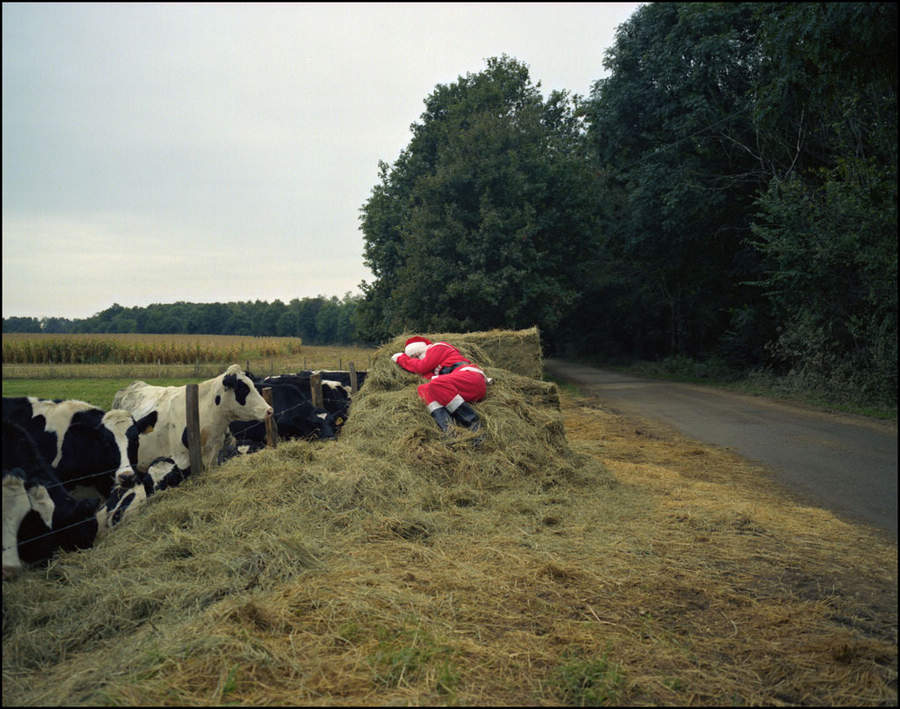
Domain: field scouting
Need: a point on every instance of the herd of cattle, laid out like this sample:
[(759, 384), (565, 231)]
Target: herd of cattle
[(52, 449)]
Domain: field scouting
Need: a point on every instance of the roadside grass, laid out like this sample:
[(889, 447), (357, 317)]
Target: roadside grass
[(759, 382)]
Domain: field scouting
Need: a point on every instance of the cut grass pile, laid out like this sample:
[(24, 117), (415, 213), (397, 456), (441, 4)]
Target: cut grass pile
[(575, 557)]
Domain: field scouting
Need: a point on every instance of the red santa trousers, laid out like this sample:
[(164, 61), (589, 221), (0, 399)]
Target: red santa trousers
[(444, 388)]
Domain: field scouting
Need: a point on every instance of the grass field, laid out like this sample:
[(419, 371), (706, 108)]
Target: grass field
[(662, 572)]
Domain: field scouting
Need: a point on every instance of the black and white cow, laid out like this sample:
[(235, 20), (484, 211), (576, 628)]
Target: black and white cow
[(83, 444), (336, 392), (39, 515), (295, 415), (231, 396), (124, 500)]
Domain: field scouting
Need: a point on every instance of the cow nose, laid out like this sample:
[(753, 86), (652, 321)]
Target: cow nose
[(270, 411), (125, 478)]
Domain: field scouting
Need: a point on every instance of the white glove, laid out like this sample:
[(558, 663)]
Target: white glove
[(396, 356)]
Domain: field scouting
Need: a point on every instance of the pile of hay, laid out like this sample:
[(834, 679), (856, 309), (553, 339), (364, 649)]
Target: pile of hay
[(261, 521), (521, 432)]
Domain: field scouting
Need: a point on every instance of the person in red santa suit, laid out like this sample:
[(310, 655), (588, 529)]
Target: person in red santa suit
[(451, 381)]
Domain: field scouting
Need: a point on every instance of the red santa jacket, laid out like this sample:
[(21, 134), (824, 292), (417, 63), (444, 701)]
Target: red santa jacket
[(437, 356)]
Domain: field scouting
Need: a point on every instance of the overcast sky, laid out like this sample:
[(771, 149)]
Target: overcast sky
[(221, 152)]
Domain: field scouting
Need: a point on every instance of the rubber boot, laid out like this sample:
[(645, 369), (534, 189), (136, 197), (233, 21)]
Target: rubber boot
[(442, 417), (465, 415)]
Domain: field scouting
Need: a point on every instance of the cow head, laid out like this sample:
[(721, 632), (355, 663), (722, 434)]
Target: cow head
[(240, 398), (126, 432), (165, 473)]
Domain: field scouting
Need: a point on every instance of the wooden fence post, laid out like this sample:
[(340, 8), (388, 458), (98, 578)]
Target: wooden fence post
[(315, 389), (353, 387), (271, 424), (192, 413)]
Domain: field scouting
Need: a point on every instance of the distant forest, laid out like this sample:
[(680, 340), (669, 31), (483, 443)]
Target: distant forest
[(317, 321), (728, 192)]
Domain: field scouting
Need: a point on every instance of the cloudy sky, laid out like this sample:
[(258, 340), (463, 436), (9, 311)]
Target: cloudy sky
[(221, 152)]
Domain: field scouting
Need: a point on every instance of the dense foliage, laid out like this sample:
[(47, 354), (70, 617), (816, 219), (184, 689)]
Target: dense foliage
[(728, 191), (485, 218), (316, 321)]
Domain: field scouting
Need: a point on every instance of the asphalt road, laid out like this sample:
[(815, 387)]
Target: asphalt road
[(844, 463)]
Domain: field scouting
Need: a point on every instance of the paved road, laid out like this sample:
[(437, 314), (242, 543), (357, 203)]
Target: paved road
[(844, 463)]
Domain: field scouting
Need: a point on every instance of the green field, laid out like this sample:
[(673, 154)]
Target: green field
[(98, 392)]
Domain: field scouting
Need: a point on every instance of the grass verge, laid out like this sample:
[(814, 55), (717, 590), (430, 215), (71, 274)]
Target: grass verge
[(755, 383)]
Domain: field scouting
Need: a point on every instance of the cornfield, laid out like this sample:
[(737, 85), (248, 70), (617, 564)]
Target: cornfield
[(22, 348)]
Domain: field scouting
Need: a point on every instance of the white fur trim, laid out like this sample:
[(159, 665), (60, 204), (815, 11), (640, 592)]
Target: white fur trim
[(455, 403), (415, 349)]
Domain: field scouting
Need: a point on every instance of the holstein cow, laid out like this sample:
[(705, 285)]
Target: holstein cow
[(228, 397), (122, 502), (335, 388), (39, 516), (295, 416), (83, 444)]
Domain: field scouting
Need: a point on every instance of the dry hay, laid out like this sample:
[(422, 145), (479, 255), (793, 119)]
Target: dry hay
[(397, 567), (517, 351), (521, 429), (149, 599)]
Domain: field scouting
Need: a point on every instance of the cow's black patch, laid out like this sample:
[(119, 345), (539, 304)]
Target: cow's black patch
[(241, 390), (73, 524), (184, 438), (218, 399), (174, 477), (89, 447), (17, 408), (135, 430), (126, 501)]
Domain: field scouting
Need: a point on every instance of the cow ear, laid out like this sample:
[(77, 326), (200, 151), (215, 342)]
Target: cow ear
[(145, 425)]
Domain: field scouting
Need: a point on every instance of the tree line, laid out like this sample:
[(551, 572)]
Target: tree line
[(317, 321), (728, 191)]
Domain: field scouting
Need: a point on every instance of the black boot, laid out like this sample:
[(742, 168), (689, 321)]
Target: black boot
[(465, 415), (442, 417)]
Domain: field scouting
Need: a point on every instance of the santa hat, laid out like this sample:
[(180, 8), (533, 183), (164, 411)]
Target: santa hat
[(415, 346)]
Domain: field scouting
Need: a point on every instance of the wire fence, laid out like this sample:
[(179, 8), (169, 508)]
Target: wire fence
[(98, 475)]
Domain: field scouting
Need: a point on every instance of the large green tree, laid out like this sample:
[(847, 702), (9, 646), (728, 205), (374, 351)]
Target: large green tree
[(826, 111), (484, 220), (669, 130)]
